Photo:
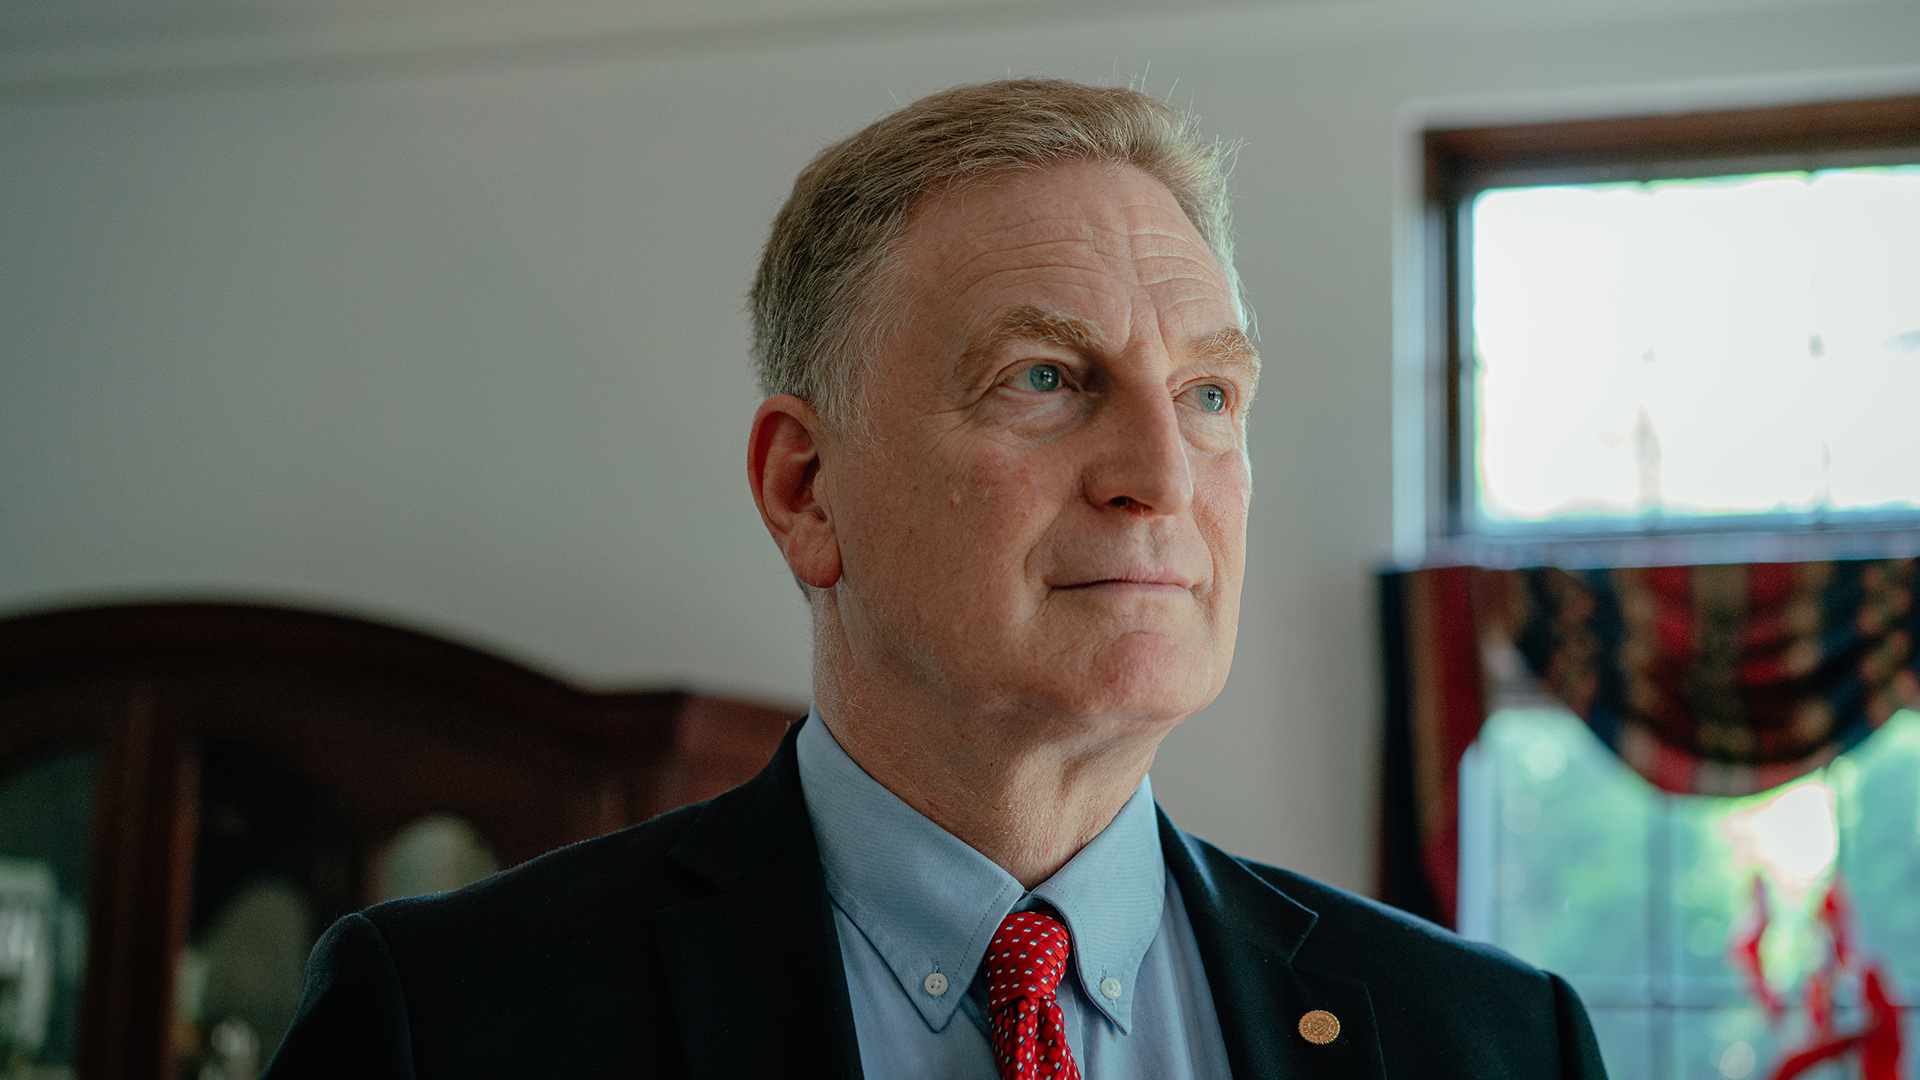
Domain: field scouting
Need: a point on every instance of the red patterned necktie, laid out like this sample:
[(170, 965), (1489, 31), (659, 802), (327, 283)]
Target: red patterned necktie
[(1025, 960)]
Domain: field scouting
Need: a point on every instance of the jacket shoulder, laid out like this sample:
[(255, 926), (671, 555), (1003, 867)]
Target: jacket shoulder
[(1365, 931), (558, 953), (1462, 1007), (1425, 980), (627, 867)]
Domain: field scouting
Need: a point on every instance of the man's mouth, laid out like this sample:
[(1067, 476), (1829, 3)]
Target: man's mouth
[(1143, 579)]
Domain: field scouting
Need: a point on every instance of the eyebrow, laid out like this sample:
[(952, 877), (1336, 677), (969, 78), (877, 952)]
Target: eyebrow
[(1227, 345), (1028, 323)]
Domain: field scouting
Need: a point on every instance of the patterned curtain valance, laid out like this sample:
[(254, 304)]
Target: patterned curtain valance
[(1719, 680)]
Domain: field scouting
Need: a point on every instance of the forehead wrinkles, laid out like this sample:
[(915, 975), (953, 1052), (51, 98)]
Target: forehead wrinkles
[(1130, 237), (1109, 266), (1106, 244)]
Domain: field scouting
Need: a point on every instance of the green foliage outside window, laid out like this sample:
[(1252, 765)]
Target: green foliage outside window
[(1573, 862)]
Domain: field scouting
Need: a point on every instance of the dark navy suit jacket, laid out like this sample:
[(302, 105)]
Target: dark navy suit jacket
[(701, 944)]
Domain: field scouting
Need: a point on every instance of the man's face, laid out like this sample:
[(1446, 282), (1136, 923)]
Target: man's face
[(1049, 519)]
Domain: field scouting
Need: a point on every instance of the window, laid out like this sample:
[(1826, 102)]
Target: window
[(1703, 324), (1664, 341), (1573, 862)]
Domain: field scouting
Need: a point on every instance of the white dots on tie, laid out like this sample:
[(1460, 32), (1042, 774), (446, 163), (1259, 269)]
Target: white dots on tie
[(1110, 988), (936, 984)]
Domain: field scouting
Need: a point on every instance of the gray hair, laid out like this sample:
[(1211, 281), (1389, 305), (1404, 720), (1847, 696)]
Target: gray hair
[(832, 238)]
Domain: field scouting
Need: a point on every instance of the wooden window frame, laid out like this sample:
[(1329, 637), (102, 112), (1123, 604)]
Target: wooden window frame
[(1460, 162)]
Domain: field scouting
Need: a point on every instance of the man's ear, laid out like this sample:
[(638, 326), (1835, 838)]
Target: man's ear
[(783, 465)]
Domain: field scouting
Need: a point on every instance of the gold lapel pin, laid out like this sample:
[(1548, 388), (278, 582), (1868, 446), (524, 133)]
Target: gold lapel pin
[(1319, 1027)]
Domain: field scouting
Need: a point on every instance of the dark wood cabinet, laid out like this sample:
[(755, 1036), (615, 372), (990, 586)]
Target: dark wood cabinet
[(228, 746)]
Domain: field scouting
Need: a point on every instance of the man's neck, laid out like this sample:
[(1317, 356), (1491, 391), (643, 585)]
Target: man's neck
[(1027, 793)]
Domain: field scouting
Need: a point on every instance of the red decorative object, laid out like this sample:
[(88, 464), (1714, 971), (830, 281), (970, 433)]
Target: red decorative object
[(1745, 954), (1877, 1042)]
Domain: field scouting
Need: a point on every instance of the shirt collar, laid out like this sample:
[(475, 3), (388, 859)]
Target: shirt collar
[(928, 902)]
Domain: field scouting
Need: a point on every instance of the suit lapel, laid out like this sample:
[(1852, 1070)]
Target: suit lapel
[(754, 968), (1248, 933)]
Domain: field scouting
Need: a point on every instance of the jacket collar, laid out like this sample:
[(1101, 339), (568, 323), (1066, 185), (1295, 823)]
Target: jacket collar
[(1249, 933), (754, 967)]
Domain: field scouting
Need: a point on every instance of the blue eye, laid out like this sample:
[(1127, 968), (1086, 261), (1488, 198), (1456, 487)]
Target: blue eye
[(1043, 377), (1212, 399)]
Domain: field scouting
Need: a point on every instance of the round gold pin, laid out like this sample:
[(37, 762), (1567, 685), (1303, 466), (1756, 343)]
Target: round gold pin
[(1319, 1027)]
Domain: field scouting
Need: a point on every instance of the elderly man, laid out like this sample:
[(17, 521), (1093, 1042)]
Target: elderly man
[(1004, 453)]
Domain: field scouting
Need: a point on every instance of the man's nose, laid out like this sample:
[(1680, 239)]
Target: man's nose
[(1140, 461)]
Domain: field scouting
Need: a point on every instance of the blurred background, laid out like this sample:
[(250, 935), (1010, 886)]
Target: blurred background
[(393, 357)]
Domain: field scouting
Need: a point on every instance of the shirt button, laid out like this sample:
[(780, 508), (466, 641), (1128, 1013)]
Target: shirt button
[(936, 984), (1110, 988)]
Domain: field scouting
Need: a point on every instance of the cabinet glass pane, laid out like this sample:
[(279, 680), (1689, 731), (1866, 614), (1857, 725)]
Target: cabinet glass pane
[(46, 809), (432, 854), (276, 861)]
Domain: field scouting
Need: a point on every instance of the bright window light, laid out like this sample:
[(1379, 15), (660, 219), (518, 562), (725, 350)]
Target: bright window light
[(1677, 350), (1790, 835)]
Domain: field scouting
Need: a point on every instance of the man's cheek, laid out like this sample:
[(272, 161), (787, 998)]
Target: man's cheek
[(999, 483), (1224, 492)]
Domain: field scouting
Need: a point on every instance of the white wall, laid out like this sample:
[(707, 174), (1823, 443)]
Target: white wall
[(438, 318)]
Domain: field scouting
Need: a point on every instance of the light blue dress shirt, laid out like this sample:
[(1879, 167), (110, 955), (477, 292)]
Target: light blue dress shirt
[(911, 900)]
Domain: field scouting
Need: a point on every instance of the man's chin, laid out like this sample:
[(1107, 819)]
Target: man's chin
[(1144, 683)]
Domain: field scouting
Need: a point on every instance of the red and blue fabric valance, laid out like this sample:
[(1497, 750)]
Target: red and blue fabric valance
[(1719, 679)]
